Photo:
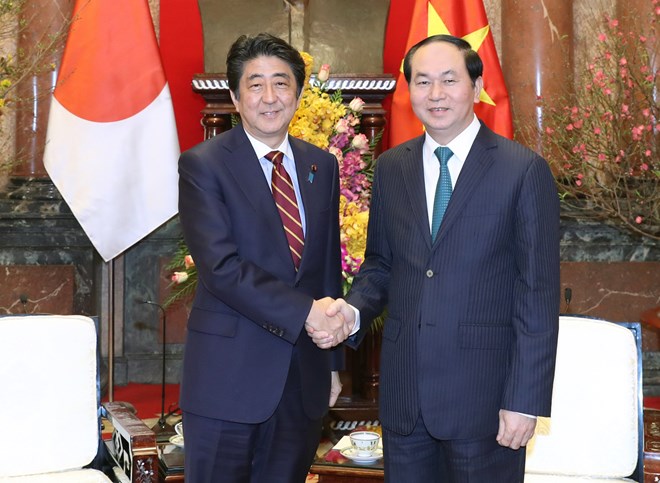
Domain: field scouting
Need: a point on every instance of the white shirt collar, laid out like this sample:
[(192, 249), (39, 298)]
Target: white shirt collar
[(462, 143), (262, 149)]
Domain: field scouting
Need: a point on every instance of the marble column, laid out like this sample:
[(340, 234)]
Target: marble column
[(41, 39), (537, 59)]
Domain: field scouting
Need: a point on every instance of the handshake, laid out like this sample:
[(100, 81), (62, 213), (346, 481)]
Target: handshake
[(329, 322)]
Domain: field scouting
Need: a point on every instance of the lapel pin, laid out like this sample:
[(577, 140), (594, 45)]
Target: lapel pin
[(310, 178)]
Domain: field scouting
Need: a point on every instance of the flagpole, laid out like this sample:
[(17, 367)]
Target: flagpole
[(111, 329)]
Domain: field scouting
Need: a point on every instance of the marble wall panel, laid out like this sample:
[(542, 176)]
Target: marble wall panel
[(145, 278), (37, 289)]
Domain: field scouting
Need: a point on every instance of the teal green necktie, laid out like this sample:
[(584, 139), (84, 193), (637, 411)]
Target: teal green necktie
[(442, 190)]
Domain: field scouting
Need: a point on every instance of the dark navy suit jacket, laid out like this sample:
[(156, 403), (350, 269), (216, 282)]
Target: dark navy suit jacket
[(473, 317), (250, 307)]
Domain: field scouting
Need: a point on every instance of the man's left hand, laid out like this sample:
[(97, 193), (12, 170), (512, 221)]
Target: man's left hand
[(335, 387), (515, 429)]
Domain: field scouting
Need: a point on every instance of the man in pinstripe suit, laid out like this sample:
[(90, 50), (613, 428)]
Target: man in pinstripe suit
[(469, 344)]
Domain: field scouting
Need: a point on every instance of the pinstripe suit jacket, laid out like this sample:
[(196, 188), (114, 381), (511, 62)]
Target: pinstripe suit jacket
[(473, 317), (250, 307)]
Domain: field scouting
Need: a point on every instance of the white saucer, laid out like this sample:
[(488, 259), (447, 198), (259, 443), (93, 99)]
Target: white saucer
[(177, 440), (351, 454)]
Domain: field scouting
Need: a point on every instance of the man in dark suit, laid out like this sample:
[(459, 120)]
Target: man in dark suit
[(471, 286), (259, 213)]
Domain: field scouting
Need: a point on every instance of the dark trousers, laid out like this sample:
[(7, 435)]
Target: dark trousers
[(278, 450), (419, 457)]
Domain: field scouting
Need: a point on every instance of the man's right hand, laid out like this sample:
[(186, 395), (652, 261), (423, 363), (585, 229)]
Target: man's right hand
[(326, 327)]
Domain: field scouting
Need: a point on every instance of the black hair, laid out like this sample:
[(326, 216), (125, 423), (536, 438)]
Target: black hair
[(247, 48), (473, 63)]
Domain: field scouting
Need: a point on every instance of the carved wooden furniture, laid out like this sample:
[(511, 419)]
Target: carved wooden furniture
[(50, 404), (132, 447), (596, 428), (372, 88)]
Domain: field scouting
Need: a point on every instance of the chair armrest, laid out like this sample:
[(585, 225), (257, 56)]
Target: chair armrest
[(133, 444)]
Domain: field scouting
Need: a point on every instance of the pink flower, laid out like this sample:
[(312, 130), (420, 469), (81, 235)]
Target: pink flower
[(356, 105), (353, 120), (337, 152), (342, 125), (361, 143), (578, 183), (597, 131), (602, 37), (644, 167), (179, 277), (639, 220), (324, 73), (188, 262), (340, 140), (647, 153)]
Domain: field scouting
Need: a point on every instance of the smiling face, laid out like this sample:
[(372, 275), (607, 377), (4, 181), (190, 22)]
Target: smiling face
[(441, 92), (266, 99)]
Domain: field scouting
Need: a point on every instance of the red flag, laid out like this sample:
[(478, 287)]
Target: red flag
[(111, 145), (182, 51), (461, 18)]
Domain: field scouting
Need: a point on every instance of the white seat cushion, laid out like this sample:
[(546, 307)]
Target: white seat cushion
[(48, 408), (593, 431), (572, 479), (76, 476)]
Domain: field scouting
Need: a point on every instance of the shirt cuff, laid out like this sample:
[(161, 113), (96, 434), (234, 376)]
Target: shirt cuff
[(527, 415), (356, 326)]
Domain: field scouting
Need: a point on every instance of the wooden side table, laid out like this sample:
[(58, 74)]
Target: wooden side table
[(347, 471), (170, 463)]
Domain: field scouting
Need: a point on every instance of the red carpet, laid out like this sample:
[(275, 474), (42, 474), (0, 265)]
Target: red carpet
[(652, 402), (146, 398)]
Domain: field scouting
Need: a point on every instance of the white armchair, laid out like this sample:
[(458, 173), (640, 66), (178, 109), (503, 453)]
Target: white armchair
[(49, 400), (595, 432)]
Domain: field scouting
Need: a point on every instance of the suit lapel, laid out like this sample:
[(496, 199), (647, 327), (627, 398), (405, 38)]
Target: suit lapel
[(246, 171), (412, 170), (308, 191), (475, 168)]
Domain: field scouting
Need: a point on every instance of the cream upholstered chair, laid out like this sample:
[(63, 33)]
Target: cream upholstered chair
[(49, 400), (595, 432)]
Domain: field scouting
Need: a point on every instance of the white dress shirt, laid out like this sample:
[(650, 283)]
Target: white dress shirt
[(289, 164)]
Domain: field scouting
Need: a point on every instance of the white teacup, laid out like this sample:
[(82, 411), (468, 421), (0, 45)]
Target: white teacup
[(178, 427), (364, 442)]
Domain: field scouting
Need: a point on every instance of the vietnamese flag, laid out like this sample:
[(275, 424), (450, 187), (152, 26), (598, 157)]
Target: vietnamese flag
[(460, 18), (111, 145)]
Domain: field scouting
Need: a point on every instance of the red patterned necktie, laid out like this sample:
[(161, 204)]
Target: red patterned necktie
[(285, 199)]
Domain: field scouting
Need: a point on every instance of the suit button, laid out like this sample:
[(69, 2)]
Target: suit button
[(429, 273)]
